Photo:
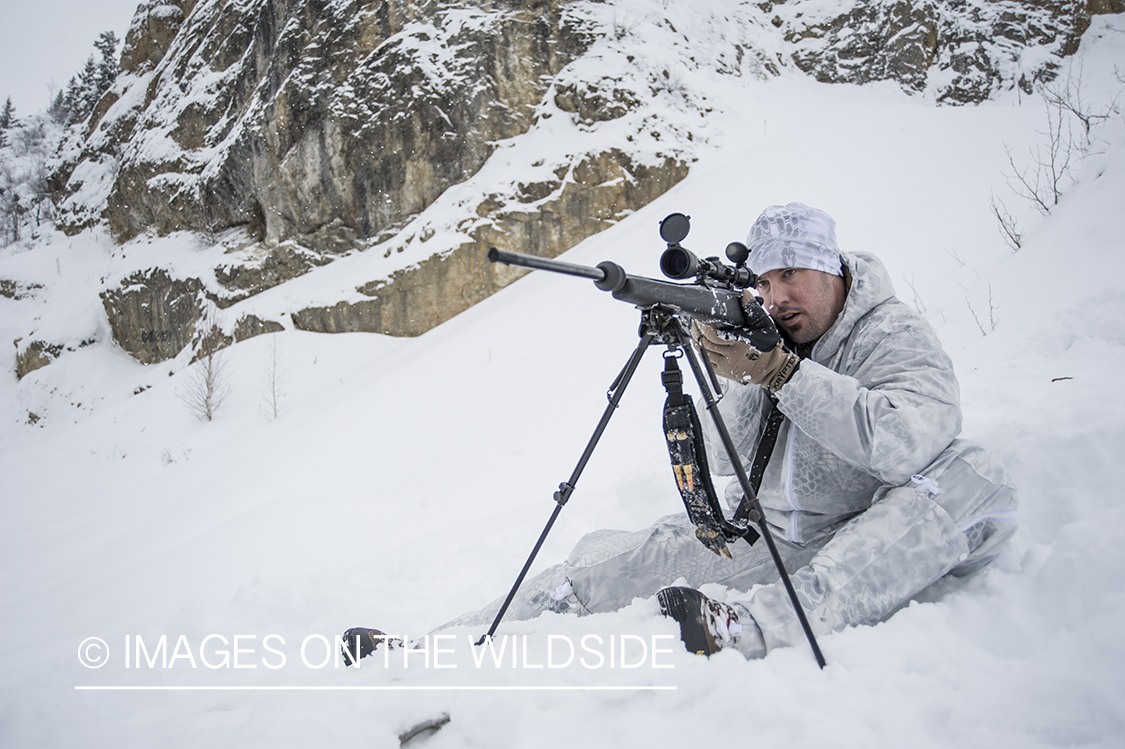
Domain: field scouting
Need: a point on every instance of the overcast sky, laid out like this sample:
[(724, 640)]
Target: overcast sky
[(45, 42)]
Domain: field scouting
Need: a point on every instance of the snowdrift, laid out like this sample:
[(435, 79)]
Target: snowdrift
[(403, 481)]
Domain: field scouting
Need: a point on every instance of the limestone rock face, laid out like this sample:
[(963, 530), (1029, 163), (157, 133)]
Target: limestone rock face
[(152, 32), (263, 270), (323, 121), (35, 355), (403, 138), (412, 301), (963, 52), (315, 129), (153, 316)]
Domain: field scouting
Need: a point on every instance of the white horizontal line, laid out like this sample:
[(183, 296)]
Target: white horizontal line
[(368, 689)]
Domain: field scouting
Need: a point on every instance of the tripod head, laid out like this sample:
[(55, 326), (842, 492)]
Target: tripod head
[(680, 263)]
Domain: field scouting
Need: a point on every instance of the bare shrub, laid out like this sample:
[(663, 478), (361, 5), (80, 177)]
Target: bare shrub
[(1066, 95), (272, 391), (1006, 222), (1043, 180), (208, 383), (993, 320), (1041, 183)]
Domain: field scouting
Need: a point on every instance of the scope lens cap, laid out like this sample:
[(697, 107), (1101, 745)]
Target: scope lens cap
[(737, 253), (675, 227)]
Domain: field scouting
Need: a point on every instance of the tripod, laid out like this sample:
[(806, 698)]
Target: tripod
[(661, 325)]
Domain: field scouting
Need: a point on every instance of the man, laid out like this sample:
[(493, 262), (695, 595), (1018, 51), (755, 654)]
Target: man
[(868, 492), (866, 475)]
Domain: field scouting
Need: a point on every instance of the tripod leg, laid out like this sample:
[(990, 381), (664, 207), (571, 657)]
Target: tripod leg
[(750, 493), (617, 389)]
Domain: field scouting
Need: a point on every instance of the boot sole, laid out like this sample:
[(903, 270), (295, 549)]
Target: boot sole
[(686, 606)]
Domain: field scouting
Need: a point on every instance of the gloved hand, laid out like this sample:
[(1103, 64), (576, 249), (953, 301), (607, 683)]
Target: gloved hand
[(754, 354)]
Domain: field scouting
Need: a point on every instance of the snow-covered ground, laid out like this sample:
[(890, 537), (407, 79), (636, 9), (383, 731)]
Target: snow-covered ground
[(405, 480)]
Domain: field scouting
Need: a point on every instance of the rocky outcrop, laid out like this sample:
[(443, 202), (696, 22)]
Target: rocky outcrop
[(17, 290), (319, 128), (315, 129), (327, 122), (249, 326), (154, 316), (261, 268), (961, 52), (35, 355)]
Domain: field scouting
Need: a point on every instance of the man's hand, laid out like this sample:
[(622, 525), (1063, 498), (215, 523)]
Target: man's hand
[(754, 354)]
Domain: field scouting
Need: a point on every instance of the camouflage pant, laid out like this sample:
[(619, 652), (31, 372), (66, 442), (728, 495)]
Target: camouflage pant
[(955, 521)]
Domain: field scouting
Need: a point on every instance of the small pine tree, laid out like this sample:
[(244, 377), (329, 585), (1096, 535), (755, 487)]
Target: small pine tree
[(108, 67), (86, 93), (70, 99), (86, 89), (7, 119), (58, 109), (7, 115)]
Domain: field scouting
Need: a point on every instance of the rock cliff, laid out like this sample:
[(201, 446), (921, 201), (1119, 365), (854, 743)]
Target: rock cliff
[(962, 52), (408, 136)]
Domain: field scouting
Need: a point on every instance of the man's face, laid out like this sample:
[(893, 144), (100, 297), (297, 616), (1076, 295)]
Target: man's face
[(803, 302)]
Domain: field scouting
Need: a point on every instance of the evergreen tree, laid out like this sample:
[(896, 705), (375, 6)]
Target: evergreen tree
[(86, 92), (7, 115), (58, 110), (70, 99), (108, 67), (7, 119), (86, 89)]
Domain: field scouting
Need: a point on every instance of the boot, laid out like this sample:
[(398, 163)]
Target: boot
[(706, 626), (367, 640)]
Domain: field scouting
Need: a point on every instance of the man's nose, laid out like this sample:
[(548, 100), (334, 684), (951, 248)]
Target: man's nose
[(774, 299)]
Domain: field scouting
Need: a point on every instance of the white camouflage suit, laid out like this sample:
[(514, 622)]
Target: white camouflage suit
[(869, 494)]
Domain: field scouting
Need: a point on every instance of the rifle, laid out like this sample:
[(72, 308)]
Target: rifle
[(715, 298)]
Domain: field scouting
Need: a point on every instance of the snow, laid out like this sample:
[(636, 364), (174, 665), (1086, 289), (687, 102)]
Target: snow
[(405, 480)]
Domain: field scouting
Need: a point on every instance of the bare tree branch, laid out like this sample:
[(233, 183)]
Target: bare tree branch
[(1042, 183), (1007, 223)]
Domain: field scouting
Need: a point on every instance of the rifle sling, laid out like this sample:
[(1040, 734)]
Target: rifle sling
[(684, 435)]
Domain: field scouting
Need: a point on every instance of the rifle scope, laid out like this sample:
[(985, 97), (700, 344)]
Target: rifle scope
[(679, 262)]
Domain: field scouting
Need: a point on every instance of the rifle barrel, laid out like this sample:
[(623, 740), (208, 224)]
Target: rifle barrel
[(542, 263), (708, 304)]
